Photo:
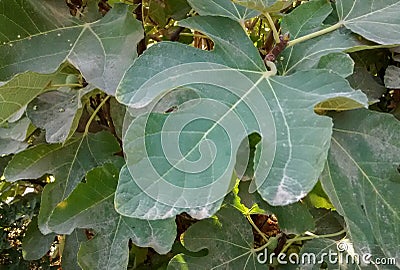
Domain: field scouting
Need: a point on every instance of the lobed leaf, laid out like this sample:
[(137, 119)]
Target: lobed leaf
[(130, 200), (90, 205), (101, 50), (67, 162), (185, 159)]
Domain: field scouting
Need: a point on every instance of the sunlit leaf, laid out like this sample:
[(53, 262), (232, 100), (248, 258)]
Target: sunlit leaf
[(17, 93)]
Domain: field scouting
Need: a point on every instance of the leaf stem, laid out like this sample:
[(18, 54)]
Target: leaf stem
[(66, 85), (256, 227), (263, 246), (194, 35), (94, 115), (304, 238), (297, 238), (315, 34), (272, 27)]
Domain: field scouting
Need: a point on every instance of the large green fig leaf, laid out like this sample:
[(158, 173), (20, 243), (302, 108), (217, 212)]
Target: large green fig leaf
[(68, 162), (91, 205), (224, 8), (378, 21), (186, 158), (228, 240), (362, 179), (37, 32)]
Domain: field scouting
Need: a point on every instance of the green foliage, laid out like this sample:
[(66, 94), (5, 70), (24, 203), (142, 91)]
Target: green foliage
[(228, 246), (187, 134)]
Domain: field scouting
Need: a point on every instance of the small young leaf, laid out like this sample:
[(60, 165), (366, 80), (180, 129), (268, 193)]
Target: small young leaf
[(339, 62)]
